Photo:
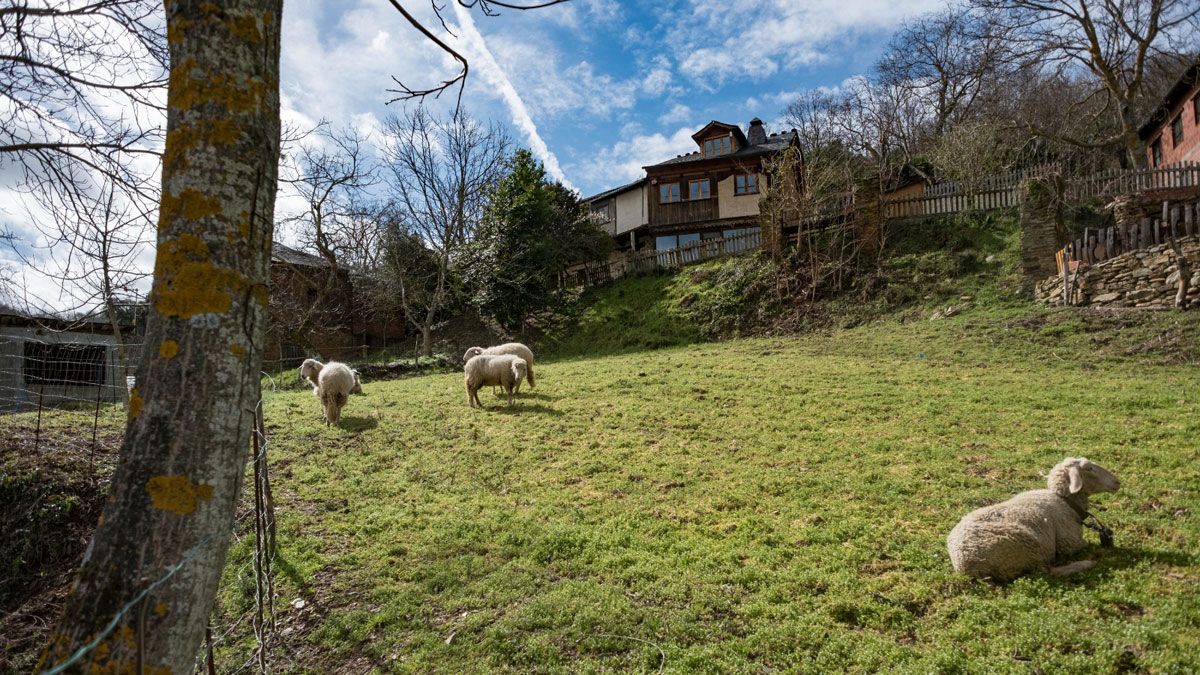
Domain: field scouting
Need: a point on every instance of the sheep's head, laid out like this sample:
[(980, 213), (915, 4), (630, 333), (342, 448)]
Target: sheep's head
[(473, 351), (357, 388), (520, 368), (1078, 475), (310, 369)]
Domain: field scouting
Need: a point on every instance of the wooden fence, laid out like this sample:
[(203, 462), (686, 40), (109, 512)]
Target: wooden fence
[(648, 261), (1006, 191), (1098, 245)]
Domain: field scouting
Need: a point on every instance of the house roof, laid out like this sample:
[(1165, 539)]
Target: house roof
[(714, 124), (286, 254), (90, 323), (615, 191), (1187, 81), (775, 143)]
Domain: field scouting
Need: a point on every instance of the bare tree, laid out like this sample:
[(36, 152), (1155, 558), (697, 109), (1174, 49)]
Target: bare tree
[(440, 171), (332, 172), (83, 82), (146, 586), (1109, 44), (93, 251), (949, 59)]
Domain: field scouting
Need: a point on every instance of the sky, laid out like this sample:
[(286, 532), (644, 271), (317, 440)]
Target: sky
[(597, 89)]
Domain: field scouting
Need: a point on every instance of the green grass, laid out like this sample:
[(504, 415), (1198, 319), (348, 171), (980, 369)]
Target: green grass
[(752, 505)]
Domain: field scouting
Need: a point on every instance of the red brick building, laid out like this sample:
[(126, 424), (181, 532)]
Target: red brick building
[(1172, 133)]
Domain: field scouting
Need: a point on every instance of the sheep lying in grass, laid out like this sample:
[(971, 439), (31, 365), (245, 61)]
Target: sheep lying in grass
[(514, 348), (334, 384), (311, 369), (1033, 529), (504, 370)]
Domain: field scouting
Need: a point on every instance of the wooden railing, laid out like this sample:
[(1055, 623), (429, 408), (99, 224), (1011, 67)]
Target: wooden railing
[(1098, 245), (678, 213), (1006, 191), (648, 261), (1107, 184)]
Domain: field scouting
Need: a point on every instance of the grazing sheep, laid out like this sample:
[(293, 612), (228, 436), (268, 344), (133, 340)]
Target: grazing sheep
[(357, 388), (514, 348), (504, 370), (1033, 529), (309, 370), (334, 385)]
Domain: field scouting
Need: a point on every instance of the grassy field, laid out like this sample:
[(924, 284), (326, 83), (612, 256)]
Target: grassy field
[(746, 506)]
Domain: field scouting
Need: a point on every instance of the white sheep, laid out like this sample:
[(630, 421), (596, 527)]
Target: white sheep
[(1033, 529), (309, 370), (514, 348), (504, 370), (334, 384)]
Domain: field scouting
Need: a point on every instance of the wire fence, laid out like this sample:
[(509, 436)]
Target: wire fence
[(62, 413)]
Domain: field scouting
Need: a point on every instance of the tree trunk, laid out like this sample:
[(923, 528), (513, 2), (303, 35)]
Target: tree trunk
[(427, 331), (157, 554)]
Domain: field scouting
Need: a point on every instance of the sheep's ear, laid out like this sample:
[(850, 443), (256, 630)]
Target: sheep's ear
[(1076, 478)]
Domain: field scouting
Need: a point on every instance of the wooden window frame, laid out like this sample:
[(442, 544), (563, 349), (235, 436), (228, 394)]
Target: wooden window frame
[(746, 179), (707, 181), (710, 146), (1177, 130), (672, 191)]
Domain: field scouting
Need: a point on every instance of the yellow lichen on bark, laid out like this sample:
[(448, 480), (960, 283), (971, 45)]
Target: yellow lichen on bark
[(161, 609), (245, 27), (237, 350), (190, 204), (177, 494), (186, 136), (168, 349), (190, 283), (135, 403)]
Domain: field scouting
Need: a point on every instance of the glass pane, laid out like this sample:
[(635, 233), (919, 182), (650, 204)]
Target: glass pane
[(664, 243), (689, 238)]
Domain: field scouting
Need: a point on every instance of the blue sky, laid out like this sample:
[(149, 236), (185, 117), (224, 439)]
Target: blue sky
[(598, 88)]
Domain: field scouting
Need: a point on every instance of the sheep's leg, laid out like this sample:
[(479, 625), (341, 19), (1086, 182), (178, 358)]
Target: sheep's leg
[(529, 374), (509, 388), (1071, 568)]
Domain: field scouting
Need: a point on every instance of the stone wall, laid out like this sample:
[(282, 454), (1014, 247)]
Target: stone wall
[(1145, 278), (1042, 230)]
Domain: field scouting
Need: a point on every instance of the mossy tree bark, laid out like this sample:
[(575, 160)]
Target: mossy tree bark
[(167, 523)]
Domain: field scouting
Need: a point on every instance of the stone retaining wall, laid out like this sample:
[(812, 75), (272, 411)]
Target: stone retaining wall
[(1145, 278)]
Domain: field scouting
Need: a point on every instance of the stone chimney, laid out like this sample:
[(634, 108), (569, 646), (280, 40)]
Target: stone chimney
[(756, 135)]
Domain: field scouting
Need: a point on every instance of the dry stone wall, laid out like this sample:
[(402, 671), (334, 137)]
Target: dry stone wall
[(1146, 278)]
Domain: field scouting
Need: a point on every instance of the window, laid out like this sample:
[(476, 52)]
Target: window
[(1196, 109), (1177, 131), (675, 241), (745, 184), (699, 189), (1156, 153), (80, 365), (717, 146), (668, 192), (604, 213)]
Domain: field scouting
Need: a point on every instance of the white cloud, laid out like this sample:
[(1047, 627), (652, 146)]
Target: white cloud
[(659, 77), (471, 40), (678, 113), (623, 162), (754, 39)]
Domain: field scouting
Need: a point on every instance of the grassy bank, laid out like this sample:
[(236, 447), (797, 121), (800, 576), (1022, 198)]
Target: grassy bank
[(755, 504)]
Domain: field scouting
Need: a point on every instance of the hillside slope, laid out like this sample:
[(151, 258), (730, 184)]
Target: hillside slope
[(775, 503)]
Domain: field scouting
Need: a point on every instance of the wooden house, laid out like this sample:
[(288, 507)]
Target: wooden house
[(710, 193)]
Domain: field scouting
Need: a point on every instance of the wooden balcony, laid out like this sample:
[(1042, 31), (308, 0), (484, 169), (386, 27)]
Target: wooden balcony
[(679, 213)]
